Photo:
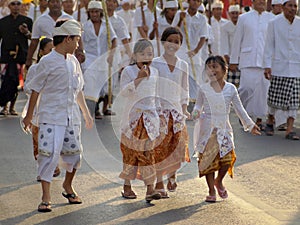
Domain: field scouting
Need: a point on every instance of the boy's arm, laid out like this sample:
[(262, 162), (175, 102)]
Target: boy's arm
[(32, 102), (86, 113)]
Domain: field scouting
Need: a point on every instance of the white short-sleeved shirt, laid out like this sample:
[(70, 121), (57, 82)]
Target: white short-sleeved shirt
[(58, 80), (197, 28), (94, 45), (44, 25)]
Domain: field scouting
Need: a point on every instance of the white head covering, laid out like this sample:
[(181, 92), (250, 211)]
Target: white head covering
[(284, 1), (70, 27), (124, 1), (276, 2), (170, 4), (217, 4), (10, 1), (234, 8), (95, 5), (201, 8)]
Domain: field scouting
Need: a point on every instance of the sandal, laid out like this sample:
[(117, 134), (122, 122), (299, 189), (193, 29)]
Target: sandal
[(73, 196), (211, 198), (13, 112), (154, 196), (45, 207), (269, 130), (282, 127), (98, 116), (261, 127), (128, 194), (163, 193), (171, 186), (292, 136), (222, 192), (56, 172), (109, 113)]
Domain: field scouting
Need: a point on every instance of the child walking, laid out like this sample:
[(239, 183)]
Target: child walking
[(46, 45), (174, 97), (140, 126), (213, 135), (58, 84)]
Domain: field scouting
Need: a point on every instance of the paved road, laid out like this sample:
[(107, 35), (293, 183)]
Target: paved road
[(265, 189)]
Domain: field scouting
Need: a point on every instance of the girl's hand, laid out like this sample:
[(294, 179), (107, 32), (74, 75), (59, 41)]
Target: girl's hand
[(195, 114), (255, 130), (187, 114), (143, 72)]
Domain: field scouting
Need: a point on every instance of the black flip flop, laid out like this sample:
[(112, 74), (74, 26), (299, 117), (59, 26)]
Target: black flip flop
[(73, 196)]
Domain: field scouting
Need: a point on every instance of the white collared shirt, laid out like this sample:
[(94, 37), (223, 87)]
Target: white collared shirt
[(249, 39), (216, 30), (58, 80), (196, 26), (44, 25), (282, 49), (95, 45)]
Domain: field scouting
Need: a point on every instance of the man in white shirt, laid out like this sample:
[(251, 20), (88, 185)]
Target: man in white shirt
[(249, 41), (227, 34), (68, 6), (282, 68), (44, 26), (276, 7), (216, 23)]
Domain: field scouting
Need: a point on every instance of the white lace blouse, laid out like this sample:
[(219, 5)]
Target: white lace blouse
[(140, 102), (173, 90), (214, 108)]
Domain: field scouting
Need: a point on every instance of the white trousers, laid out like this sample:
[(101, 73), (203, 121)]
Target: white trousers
[(47, 164), (253, 91)]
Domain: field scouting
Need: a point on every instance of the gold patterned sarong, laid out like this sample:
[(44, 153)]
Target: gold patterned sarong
[(210, 161)]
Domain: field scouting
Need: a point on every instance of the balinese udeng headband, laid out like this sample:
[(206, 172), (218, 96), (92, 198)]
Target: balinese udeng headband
[(217, 4), (170, 4), (95, 5), (11, 1), (234, 8), (284, 1), (68, 28)]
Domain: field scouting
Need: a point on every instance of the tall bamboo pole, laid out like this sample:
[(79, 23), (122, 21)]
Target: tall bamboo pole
[(109, 45), (187, 39), (156, 31), (78, 11)]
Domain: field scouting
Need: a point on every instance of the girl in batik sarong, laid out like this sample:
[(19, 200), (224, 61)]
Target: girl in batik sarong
[(141, 122), (174, 97), (213, 135)]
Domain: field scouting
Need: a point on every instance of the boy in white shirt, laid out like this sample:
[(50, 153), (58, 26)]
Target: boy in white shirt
[(58, 85)]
